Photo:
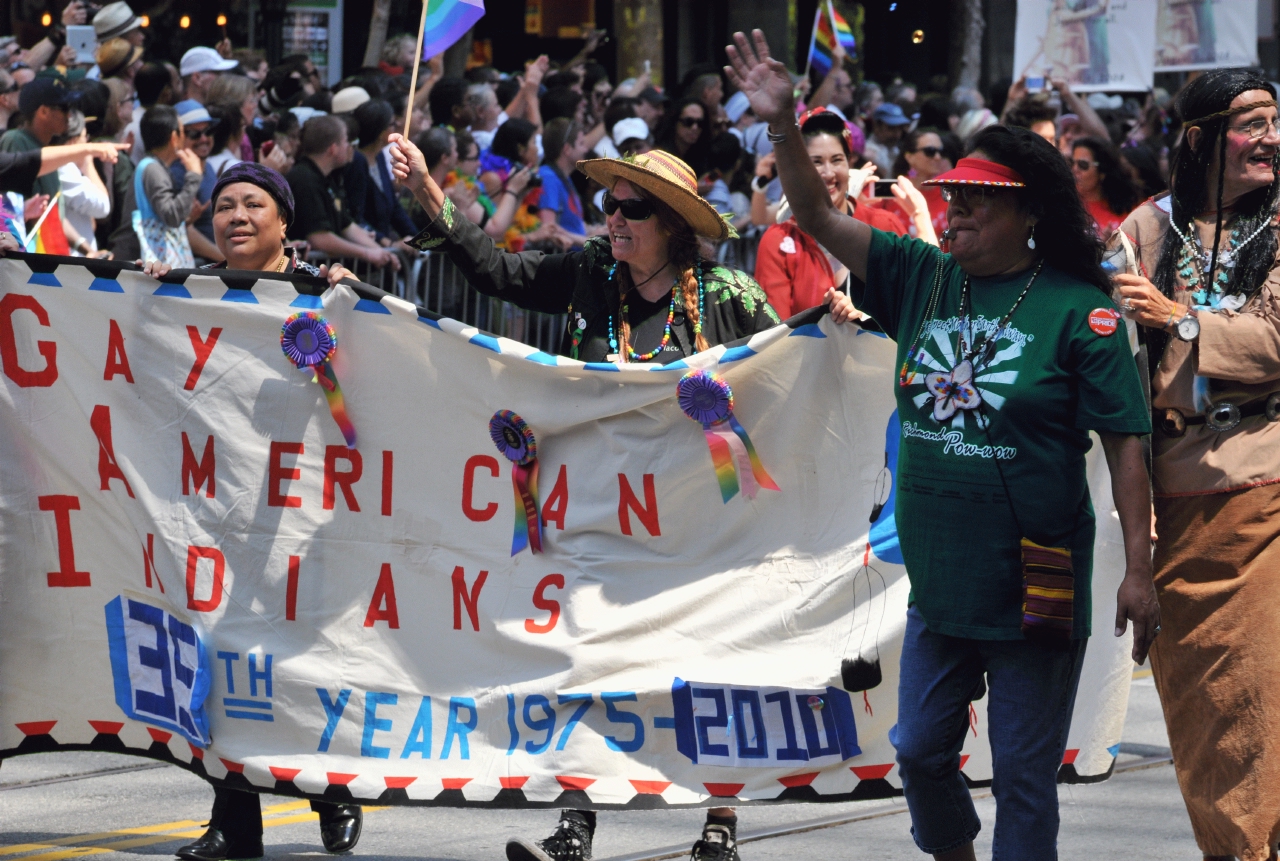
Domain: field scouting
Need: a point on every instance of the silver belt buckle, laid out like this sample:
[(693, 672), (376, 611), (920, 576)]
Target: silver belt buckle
[(1273, 407), (1222, 417)]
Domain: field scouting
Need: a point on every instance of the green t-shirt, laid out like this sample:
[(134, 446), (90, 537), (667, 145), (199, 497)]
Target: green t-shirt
[(1051, 380), (21, 140)]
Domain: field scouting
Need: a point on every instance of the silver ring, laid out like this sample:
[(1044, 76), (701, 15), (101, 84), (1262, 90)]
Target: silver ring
[(1126, 305)]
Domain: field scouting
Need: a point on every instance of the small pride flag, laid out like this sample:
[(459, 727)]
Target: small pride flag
[(447, 21), (47, 236), (828, 28)]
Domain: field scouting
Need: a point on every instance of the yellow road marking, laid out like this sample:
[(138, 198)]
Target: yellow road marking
[(1142, 674)]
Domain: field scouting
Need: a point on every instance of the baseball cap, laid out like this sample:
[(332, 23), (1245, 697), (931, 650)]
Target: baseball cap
[(190, 111), (736, 106), (202, 59), (348, 99), (631, 127), (45, 91), (114, 19), (890, 114)]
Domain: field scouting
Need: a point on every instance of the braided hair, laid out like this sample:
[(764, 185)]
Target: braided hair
[(683, 252), (1206, 102)]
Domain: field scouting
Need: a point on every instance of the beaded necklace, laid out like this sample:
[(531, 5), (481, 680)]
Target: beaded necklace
[(1194, 261), (632, 355)]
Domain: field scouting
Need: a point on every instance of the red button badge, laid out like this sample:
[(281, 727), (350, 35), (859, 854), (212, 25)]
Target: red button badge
[(1103, 321)]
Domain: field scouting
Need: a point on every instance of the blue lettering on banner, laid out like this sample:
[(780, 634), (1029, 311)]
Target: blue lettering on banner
[(373, 723), (756, 727), (458, 728), (420, 735), (616, 715), (333, 713), (160, 668), (252, 707)]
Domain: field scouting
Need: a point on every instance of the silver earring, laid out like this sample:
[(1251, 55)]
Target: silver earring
[(1031, 240)]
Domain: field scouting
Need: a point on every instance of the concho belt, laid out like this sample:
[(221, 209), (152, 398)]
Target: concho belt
[(1220, 417)]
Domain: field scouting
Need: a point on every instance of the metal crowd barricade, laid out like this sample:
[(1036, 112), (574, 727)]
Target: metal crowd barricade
[(433, 282)]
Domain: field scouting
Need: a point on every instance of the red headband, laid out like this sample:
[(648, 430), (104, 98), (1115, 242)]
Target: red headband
[(977, 171), (845, 133)]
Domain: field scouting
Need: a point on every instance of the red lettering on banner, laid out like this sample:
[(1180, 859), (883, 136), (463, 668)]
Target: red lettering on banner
[(386, 483), (277, 472), (194, 555), (203, 348), (197, 473), (117, 358), (108, 469), (382, 607), (62, 506), (477, 461), (9, 347), (149, 562), (648, 513), (291, 589), (557, 501), (542, 602), (471, 599), (343, 480)]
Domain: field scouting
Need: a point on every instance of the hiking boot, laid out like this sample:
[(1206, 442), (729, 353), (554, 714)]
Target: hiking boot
[(717, 844), (571, 841)]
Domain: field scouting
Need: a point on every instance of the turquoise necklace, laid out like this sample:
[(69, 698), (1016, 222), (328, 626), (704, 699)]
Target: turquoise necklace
[(632, 355), (1194, 262)]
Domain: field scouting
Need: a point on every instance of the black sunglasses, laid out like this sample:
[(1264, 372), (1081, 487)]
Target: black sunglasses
[(930, 151), (690, 122), (633, 208), (196, 134), (1084, 164)]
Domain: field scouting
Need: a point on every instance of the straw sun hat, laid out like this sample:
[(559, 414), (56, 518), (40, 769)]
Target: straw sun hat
[(667, 178)]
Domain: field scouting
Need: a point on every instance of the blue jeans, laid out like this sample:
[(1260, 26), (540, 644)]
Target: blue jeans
[(1032, 693)]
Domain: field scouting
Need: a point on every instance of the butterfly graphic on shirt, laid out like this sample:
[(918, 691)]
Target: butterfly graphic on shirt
[(954, 389)]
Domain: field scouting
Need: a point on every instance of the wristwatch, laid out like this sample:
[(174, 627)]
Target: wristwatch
[(1188, 327)]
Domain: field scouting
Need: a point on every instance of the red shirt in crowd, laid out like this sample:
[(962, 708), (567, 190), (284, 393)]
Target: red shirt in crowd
[(1105, 221), (793, 269)]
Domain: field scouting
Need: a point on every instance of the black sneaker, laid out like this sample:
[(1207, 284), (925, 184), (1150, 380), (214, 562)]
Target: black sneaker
[(571, 841), (717, 844)]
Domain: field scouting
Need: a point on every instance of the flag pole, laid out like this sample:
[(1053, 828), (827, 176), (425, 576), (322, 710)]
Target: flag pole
[(417, 60), (813, 37), (35, 230)]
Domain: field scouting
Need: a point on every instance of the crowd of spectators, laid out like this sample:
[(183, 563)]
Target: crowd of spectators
[(502, 146)]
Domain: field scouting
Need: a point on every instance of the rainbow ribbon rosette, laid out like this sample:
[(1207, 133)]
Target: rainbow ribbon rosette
[(516, 442), (706, 398), (310, 341)]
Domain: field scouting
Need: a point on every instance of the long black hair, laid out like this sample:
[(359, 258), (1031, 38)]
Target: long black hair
[(1064, 231), (1118, 188), (1204, 102)]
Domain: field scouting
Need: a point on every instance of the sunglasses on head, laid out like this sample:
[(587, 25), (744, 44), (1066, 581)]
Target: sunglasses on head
[(633, 208), (691, 122), (1084, 164), (930, 151)]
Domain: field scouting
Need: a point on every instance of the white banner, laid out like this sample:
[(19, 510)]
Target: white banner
[(1092, 44), (197, 568), (1206, 34)]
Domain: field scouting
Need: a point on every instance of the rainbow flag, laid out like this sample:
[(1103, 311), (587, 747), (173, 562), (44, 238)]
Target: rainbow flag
[(828, 29), (48, 236), (447, 21)]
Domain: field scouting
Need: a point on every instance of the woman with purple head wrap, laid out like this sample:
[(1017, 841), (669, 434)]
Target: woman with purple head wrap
[(252, 209)]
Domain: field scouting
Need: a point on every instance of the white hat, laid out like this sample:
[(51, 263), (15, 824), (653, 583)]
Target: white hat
[(114, 19), (303, 114), (201, 59), (629, 129), (736, 106), (348, 99)]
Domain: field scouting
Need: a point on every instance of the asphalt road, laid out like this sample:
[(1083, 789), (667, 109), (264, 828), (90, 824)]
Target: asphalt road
[(70, 805)]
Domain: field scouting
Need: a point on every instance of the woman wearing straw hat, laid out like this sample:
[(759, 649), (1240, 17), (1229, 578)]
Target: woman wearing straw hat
[(641, 294)]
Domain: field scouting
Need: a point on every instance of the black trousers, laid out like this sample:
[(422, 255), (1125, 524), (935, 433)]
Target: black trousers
[(238, 814)]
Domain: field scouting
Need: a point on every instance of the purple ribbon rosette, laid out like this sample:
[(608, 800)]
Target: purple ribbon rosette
[(706, 397)]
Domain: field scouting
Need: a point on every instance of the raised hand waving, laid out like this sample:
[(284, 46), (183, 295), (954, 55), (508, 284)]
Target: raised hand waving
[(765, 81)]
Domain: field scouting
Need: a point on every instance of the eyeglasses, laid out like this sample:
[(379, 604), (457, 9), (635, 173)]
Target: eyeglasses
[(633, 208), (969, 196), (196, 134), (929, 151), (691, 122), (1259, 128), (1084, 164)]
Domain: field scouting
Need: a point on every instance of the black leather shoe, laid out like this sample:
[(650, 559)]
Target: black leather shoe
[(342, 831), (213, 846)]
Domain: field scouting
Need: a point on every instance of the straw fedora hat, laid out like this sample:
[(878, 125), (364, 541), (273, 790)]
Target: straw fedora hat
[(667, 178), (116, 55)]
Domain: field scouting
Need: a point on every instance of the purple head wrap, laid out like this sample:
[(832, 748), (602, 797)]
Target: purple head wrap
[(266, 178)]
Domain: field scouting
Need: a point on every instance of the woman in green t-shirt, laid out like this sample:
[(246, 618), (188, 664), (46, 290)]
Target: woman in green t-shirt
[(1010, 353)]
